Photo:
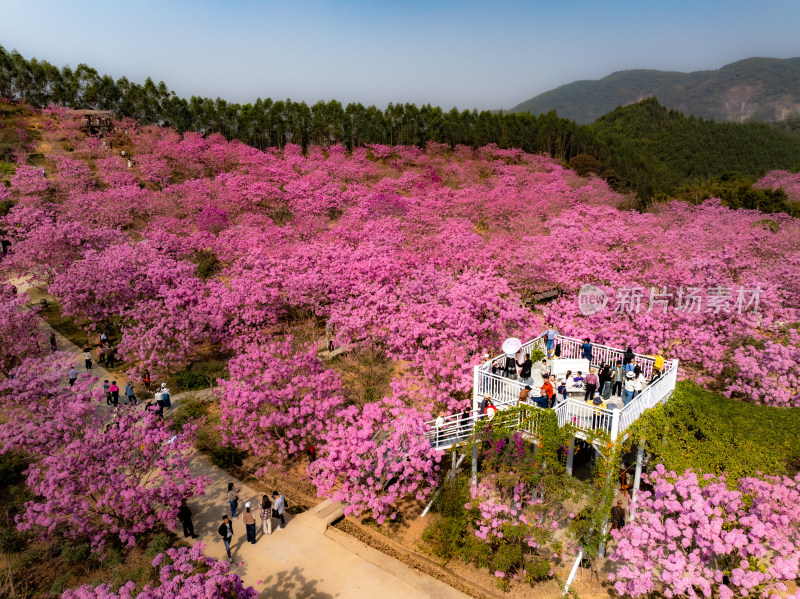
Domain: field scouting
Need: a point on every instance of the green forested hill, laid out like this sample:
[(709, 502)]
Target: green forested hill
[(762, 89), (656, 150)]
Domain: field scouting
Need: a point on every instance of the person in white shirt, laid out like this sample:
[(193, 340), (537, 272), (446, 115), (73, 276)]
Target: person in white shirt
[(278, 506), (630, 387)]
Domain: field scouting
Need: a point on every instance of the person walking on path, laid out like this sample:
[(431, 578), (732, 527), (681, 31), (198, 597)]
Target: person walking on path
[(114, 393), (617, 516), (226, 532), (233, 499), (101, 356), (165, 396), (266, 515), (109, 352), (146, 379), (130, 394), (185, 518), (249, 523), (87, 358), (73, 376), (53, 342), (106, 390), (278, 507)]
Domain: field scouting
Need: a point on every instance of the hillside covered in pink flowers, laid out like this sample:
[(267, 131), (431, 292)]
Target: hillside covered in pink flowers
[(187, 246), (427, 254)]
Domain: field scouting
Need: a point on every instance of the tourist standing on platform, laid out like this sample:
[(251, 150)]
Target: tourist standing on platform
[(549, 337), (586, 350), (590, 385), (439, 425), (525, 368), (629, 387), (510, 369), (604, 377), (618, 376), (628, 360), (523, 395), (639, 381)]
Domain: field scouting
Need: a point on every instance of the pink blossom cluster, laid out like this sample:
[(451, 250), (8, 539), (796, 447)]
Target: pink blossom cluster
[(183, 573), (278, 401), (375, 456), (691, 537), (119, 480), (788, 182)]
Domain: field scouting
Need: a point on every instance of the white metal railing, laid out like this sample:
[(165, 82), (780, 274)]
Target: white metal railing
[(454, 429), (655, 393), (504, 393), (571, 348)]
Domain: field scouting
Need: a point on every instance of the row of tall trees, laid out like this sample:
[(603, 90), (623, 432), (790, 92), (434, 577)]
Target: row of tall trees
[(268, 123)]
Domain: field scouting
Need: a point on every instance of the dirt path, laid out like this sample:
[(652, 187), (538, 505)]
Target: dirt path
[(297, 562)]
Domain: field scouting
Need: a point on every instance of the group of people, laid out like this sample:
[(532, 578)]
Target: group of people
[(268, 510), (611, 385)]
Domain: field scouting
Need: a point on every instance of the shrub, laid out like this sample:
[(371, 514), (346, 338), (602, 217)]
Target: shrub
[(76, 554), (207, 264), (159, 544), (188, 411)]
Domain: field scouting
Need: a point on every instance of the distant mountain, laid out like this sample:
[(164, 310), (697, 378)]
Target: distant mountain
[(754, 89)]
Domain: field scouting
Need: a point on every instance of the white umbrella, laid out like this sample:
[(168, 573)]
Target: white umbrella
[(511, 346)]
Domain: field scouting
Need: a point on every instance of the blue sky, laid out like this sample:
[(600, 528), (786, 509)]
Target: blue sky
[(465, 53)]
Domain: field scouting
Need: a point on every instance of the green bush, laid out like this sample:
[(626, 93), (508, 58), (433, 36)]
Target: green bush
[(60, 584), (76, 554), (159, 544), (200, 375), (537, 354), (12, 465), (207, 264), (711, 433), (447, 536), (11, 540), (6, 168), (189, 410)]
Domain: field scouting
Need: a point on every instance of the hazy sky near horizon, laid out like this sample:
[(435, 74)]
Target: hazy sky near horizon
[(466, 53)]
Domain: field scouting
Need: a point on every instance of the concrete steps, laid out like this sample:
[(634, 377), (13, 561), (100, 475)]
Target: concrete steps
[(321, 516)]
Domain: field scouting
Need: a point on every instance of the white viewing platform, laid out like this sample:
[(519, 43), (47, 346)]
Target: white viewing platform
[(585, 418)]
